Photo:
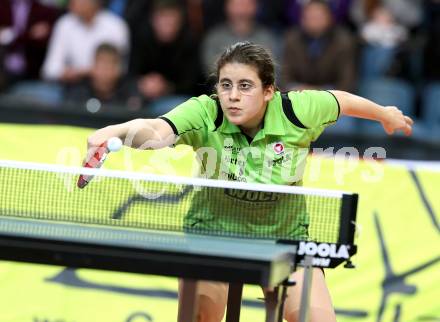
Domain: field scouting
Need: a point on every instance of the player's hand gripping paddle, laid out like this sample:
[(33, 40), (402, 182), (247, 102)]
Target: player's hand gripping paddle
[(111, 145)]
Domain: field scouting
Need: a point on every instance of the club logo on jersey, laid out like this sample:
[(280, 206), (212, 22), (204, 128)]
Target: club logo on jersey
[(278, 148), (252, 196)]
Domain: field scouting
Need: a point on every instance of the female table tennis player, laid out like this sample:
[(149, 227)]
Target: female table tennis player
[(247, 111)]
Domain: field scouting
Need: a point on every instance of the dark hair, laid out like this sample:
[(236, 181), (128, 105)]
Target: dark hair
[(108, 48), (249, 54), (99, 3), (166, 4), (323, 3)]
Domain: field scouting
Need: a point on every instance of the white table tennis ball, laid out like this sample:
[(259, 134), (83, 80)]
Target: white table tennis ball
[(114, 144)]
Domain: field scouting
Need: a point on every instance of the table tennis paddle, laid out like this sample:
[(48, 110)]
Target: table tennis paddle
[(97, 159)]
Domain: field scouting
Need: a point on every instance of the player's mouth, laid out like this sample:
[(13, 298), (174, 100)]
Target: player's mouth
[(234, 110)]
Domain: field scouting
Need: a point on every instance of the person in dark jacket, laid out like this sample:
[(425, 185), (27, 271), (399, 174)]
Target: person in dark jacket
[(318, 54), (164, 55)]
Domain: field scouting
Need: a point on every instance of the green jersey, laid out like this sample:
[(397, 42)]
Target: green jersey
[(275, 155)]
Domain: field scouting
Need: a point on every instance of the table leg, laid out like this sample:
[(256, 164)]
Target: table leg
[(188, 302), (274, 304), (306, 289), (234, 302), (283, 302)]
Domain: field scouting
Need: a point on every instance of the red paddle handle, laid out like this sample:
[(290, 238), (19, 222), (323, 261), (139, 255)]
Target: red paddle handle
[(96, 162)]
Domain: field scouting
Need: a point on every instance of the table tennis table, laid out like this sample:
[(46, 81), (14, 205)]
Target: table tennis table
[(193, 257), (135, 222)]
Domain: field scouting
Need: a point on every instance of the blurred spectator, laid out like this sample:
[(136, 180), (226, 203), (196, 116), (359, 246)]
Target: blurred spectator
[(132, 11), (213, 12), (385, 65), (318, 54), (383, 38), (165, 58), (106, 84), (77, 35), (430, 96), (431, 66), (206, 14), (383, 30), (25, 27), (55, 3), (240, 25), (408, 13), (340, 10), (272, 14)]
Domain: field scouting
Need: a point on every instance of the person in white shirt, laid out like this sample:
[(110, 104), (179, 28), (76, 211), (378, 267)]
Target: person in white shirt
[(76, 36), (383, 30)]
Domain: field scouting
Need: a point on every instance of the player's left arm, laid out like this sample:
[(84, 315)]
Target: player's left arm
[(391, 118)]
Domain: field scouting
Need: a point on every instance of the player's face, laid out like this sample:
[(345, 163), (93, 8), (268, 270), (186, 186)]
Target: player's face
[(242, 96)]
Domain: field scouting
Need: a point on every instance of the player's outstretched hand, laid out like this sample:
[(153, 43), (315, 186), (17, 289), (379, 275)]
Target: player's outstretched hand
[(394, 120), (97, 138)]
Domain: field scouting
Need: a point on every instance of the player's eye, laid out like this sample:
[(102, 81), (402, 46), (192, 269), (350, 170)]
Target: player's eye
[(225, 86), (245, 86)]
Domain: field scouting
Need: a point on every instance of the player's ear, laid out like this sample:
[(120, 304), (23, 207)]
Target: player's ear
[(269, 92)]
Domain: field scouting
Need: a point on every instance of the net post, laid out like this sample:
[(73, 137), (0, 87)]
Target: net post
[(348, 218)]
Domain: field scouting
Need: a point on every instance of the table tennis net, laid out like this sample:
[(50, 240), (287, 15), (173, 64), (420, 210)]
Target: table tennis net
[(181, 204)]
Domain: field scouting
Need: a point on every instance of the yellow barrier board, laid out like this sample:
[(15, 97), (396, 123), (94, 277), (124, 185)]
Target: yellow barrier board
[(397, 275)]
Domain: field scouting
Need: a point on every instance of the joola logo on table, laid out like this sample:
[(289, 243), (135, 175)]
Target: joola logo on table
[(248, 195), (323, 250)]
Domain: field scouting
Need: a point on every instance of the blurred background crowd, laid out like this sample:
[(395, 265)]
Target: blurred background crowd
[(147, 56)]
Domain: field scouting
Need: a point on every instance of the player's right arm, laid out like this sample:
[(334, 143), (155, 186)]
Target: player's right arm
[(189, 116), (138, 133)]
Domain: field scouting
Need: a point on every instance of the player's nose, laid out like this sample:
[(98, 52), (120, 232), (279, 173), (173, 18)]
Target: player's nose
[(234, 94)]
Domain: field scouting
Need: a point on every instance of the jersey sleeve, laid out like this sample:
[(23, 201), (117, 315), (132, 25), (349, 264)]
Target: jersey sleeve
[(191, 119), (315, 108), (188, 116)]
